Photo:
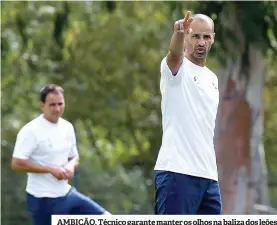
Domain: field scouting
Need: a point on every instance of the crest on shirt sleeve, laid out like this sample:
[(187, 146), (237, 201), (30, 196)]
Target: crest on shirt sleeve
[(215, 86)]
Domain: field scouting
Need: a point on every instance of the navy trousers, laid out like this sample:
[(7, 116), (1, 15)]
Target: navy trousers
[(181, 194), (74, 203)]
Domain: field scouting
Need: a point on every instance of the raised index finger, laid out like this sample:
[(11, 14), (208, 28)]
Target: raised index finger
[(187, 16)]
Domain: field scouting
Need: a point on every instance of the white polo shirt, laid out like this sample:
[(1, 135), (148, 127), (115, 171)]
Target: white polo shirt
[(189, 106), (47, 144)]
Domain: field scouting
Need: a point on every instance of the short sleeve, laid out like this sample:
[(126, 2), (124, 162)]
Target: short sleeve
[(74, 151), (166, 72), (25, 144)]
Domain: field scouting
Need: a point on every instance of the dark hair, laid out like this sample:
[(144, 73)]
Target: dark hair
[(50, 88)]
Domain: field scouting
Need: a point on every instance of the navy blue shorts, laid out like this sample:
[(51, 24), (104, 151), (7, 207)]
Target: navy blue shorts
[(74, 203), (181, 194)]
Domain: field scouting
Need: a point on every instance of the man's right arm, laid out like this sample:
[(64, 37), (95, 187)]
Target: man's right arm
[(24, 147), (177, 44), (28, 166), (175, 55)]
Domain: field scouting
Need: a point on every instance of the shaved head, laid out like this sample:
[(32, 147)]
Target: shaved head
[(200, 38), (204, 18)]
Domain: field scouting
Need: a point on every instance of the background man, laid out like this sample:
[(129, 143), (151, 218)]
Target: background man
[(46, 149)]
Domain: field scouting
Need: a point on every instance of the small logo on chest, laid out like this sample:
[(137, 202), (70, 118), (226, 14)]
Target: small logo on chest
[(196, 79), (68, 139)]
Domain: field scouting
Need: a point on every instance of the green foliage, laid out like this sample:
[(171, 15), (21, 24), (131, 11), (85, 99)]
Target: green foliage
[(126, 83), (270, 118)]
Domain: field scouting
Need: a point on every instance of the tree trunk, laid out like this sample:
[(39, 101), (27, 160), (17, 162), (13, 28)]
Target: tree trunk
[(239, 125)]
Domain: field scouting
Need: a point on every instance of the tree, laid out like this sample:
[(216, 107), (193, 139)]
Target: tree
[(244, 37)]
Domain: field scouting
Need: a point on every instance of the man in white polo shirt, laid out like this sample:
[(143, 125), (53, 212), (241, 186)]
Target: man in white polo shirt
[(185, 174), (46, 149)]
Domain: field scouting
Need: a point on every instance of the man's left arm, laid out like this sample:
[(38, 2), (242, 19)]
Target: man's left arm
[(73, 159)]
